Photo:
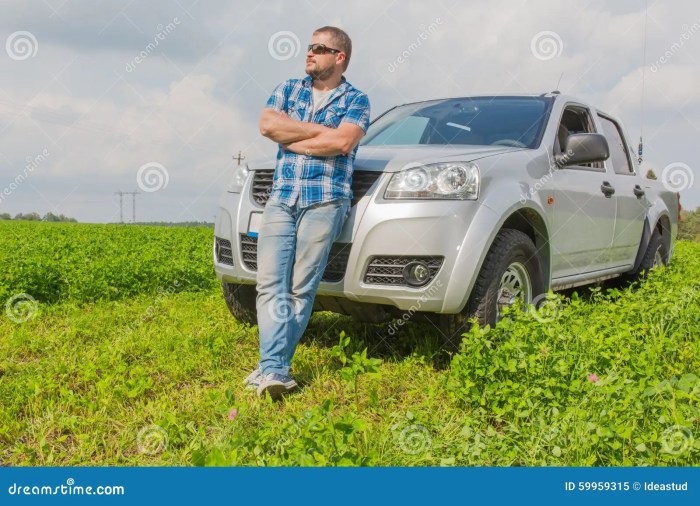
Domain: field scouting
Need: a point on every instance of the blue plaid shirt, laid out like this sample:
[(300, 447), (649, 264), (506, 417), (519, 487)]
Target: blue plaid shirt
[(316, 179)]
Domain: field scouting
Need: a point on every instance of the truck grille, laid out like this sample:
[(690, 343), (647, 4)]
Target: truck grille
[(335, 269), (249, 251), (224, 252), (262, 186), (389, 270), (362, 181)]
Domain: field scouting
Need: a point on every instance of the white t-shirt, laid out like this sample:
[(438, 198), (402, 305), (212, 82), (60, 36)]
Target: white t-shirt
[(319, 99)]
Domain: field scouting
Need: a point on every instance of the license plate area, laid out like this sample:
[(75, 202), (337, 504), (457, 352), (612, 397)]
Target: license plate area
[(254, 222)]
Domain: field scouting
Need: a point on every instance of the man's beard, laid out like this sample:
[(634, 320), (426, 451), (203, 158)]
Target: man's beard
[(322, 74)]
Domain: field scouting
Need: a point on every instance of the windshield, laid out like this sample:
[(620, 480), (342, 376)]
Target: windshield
[(476, 121)]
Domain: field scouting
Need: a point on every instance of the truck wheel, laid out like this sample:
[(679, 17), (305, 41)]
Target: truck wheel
[(511, 272), (655, 256), (240, 300)]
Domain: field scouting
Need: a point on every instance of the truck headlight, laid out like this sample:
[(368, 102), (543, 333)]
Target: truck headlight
[(451, 180), (240, 174)]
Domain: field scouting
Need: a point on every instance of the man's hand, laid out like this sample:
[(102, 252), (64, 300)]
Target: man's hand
[(282, 129), (330, 142)]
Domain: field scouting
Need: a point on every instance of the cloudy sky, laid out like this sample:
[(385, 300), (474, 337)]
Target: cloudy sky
[(95, 94)]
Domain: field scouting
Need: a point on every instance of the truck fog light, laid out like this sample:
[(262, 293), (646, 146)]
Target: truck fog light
[(416, 273)]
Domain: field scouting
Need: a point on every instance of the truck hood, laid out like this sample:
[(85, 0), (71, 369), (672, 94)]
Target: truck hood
[(395, 158)]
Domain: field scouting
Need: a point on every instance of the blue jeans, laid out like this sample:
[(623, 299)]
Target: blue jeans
[(293, 248)]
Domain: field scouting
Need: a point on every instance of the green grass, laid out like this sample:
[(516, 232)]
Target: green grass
[(81, 379), (55, 262)]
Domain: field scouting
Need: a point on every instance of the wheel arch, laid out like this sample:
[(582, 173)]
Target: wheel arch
[(662, 224), (531, 223), (528, 220)]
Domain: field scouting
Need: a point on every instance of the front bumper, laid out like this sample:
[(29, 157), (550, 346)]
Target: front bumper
[(454, 231)]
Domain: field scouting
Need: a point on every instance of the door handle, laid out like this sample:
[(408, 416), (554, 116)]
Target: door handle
[(638, 191), (607, 189)]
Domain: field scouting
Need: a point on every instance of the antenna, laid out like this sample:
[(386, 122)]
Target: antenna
[(640, 149), (559, 82)]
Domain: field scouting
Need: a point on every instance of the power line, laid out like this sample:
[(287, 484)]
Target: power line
[(121, 205), (239, 158)]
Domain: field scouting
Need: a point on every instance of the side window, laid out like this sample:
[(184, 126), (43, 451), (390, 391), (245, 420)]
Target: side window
[(575, 120), (618, 150), (408, 131)]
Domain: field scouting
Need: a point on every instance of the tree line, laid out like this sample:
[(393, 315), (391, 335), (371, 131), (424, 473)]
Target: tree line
[(689, 227), (37, 217)]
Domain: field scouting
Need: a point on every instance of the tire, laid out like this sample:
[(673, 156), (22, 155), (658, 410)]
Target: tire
[(655, 256), (512, 261), (240, 300)]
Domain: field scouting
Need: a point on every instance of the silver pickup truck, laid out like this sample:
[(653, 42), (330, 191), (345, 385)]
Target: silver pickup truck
[(463, 206)]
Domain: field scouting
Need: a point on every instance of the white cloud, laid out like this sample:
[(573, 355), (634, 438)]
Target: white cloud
[(194, 101)]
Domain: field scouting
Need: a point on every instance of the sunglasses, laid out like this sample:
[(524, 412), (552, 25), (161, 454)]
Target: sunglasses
[(321, 49)]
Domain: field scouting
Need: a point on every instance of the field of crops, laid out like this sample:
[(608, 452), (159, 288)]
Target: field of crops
[(56, 262), (116, 348)]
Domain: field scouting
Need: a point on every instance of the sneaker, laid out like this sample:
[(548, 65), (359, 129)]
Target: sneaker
[(252, 381), (276, 385)]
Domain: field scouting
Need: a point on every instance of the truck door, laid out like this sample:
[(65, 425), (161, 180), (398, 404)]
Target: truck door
[(632, 203), (583, 207)]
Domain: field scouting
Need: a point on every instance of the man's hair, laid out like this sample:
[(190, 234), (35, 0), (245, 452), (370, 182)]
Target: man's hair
[(341, 40)]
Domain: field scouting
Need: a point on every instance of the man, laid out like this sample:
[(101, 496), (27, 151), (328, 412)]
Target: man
[(317, 122)]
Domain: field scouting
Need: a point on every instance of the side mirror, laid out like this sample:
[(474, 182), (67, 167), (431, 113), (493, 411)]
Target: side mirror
[(583, 148)]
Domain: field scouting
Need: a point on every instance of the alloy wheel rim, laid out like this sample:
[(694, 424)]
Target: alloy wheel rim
[(515, 284)]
